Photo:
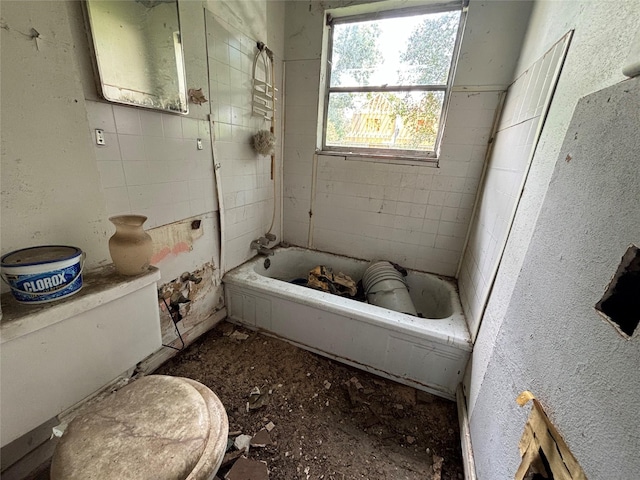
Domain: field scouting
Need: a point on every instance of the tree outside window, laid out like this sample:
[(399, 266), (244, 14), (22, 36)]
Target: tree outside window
[(388, 84)]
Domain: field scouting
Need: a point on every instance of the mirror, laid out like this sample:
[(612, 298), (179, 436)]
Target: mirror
[(138, 52)]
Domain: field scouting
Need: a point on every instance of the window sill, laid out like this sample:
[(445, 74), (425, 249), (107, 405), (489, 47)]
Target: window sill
[(400, 159)]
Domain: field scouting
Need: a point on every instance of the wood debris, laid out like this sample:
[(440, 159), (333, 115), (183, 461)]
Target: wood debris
[(541, 438)]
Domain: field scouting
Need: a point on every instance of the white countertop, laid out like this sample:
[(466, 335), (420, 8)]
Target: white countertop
[(99, 286)]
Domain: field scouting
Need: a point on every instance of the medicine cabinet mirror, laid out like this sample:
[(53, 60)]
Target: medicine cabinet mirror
[(138, 52)]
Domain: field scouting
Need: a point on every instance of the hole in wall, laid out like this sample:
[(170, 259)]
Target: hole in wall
[(621, 301)]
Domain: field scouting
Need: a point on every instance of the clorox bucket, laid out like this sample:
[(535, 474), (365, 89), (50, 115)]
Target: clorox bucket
[(43, 274)]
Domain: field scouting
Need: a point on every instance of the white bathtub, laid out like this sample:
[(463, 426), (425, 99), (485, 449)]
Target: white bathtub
[(428, 353)]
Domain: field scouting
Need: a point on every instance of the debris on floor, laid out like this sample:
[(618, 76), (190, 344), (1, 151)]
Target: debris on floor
[(242, 443), (437, 467), (230, 458), (261, 439), (323, 420), (256, 399), (246, 469), (236, 335)]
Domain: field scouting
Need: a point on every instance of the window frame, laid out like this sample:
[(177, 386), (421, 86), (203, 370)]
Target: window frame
[(334, 17)]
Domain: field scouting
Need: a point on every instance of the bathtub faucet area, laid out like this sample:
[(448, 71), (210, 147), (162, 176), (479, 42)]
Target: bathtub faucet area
[(261, 245)]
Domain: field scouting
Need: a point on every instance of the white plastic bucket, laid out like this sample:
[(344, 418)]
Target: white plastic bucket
[(43, 274), (385, 287)]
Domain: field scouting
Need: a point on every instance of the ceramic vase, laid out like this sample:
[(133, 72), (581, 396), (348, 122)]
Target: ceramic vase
[(130, 247)]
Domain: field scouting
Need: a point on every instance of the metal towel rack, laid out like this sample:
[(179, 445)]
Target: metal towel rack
[(263, 97)]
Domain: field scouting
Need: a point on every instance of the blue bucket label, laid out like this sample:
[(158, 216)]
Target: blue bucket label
[(34, 288)]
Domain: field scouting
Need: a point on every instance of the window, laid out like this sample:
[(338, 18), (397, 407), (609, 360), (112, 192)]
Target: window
[(389, 76)]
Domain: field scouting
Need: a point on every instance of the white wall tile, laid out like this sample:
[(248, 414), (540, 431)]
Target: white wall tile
[(386, 202), (171, 126), (131, 147), (127, 120), (110, 151), (503, 180), (136, 173), (111, 174), (100, 115), (117, 200)]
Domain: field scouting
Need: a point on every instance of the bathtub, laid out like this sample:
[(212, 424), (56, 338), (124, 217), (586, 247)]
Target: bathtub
[(428, 353)]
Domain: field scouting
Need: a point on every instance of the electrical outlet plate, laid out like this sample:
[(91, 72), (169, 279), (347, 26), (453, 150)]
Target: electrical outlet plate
[(100, 137)]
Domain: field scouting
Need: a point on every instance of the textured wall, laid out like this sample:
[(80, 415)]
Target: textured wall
[(497, 363), (416, 215), (50, 182), (552, 340), (593, 62)]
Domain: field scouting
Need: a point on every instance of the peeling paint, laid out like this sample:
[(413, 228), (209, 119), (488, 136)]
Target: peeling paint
[(173, 239), (191, 302)]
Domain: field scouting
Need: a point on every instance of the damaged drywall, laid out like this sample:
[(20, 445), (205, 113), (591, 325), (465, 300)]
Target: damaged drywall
[(189, 300), (551, 340), (190, 290), (175, 239), (186, 245)]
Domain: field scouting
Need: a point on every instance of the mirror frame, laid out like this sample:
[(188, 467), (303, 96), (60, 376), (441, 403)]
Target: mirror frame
[(97, 71)]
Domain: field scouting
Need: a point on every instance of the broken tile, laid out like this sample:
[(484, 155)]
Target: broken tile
[(270, 426), (261, 439), (245, 469), (242, 442), (237, 335), (327, 384), (256, 399), (230, 457)]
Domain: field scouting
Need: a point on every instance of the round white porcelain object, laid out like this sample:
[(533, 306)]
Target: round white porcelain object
[(157, 427)]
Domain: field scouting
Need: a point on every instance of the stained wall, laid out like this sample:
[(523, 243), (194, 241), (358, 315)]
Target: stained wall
[(413, 214), (540, 330)]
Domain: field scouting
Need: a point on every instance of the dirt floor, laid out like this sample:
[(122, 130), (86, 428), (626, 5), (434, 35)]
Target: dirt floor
[(326, 420)]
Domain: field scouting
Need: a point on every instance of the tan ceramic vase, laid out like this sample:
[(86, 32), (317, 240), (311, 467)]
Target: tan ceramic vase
[(130, 247)]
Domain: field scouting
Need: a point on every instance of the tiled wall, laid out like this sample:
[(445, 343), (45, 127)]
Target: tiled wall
[(521, 119), (415, 215), (245, 176), (151, 165)]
